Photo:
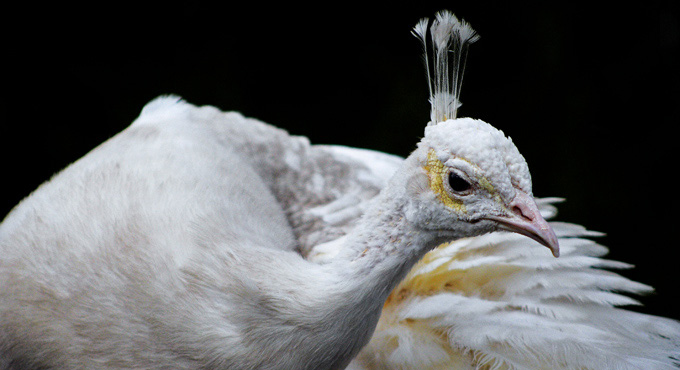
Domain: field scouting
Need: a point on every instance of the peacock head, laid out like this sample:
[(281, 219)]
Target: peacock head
[(471, 179)]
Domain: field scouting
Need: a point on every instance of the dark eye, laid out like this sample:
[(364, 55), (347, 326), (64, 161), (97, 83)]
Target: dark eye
[(457, 183)]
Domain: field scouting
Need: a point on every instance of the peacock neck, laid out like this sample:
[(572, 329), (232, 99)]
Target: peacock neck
[(382, 249), (376, 255)]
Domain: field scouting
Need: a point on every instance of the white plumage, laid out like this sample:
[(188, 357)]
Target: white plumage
[(179, 244), (496, 302)]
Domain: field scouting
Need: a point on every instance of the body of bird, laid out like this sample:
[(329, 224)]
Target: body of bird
[(165, 247), (197, 238)]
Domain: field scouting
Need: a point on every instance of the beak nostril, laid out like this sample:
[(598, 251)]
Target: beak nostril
[(518, 211), (526, 219)]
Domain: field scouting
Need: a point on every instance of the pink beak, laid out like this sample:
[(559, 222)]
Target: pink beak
[(525, 219)]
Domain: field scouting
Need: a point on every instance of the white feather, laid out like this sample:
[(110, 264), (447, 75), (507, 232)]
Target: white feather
[(179, 243), (500, 306), (450, 39)]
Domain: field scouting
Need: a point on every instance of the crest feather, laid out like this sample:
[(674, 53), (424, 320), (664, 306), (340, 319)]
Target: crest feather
[(450, 39)]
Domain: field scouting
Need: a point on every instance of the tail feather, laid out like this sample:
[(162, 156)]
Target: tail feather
[(498, 302)]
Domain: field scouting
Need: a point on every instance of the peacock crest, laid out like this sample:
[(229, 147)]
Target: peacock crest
[(449, 39)]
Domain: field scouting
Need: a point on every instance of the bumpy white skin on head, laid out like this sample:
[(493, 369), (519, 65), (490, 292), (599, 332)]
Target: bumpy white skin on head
[(477, 177), (486, 147)]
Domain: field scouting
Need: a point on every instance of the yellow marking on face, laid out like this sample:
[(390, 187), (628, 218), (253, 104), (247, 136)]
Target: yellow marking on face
[(484, 183), (436, 172), (481, 180)]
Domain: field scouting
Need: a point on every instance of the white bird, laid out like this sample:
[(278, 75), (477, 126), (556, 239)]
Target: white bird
[(202, 239)]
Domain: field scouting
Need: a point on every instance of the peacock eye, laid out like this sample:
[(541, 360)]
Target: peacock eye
[(457, 183)]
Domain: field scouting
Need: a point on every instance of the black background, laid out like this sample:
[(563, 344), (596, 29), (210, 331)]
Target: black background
[(589, 93)]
